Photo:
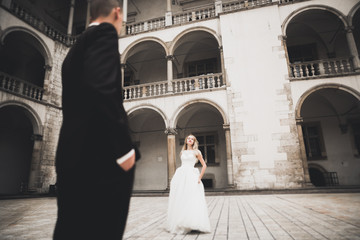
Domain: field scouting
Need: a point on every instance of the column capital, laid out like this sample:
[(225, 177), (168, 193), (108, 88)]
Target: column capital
[(123, 65), (37, 137), (72, 3), (170, 131), (47, 67), (282, 37), (221, 48), (349, 29), (299, 120), (170, 57), (226, 127)]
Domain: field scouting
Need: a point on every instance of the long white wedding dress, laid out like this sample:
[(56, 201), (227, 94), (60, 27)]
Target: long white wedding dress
[(187, 208)]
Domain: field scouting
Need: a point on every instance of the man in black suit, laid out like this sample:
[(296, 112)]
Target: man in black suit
[(95, 156)]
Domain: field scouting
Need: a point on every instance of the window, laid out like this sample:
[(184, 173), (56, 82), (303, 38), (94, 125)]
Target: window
[(207, 147), (201, 67), (314, 143)]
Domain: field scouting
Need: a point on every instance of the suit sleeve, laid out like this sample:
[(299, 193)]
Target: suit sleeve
[(101, 78)]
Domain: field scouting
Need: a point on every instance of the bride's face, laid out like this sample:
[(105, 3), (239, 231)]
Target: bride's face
[(190, 140)]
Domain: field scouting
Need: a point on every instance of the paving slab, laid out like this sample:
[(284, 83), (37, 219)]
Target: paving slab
[(272, 216)]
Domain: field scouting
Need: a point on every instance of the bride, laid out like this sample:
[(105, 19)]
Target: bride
[(187, 208)]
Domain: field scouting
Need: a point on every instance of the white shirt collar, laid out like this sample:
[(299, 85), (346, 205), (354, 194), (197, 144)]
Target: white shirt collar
[(94, 24)]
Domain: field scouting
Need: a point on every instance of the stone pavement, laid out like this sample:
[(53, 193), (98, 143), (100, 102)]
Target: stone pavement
[(236, 217)]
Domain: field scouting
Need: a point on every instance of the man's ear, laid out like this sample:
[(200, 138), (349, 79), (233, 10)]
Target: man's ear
[(118, 13)]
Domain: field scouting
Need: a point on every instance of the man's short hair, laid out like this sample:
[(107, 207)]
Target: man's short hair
[(102, 8)]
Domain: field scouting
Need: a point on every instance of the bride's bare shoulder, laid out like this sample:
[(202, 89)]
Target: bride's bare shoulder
[(198, 152)]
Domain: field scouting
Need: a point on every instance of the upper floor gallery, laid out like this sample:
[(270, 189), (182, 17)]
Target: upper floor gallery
[(176, 46)]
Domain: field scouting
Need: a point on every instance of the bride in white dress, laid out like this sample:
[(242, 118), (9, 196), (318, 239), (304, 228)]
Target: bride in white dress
[(187, 208)]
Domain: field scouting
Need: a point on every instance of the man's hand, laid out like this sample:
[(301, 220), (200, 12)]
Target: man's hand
[(128, 163)]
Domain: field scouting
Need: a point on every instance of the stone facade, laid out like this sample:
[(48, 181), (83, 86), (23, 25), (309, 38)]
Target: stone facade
[(230, 73)]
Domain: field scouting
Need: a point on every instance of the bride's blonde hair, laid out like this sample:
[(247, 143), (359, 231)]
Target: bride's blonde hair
[(195, 145)]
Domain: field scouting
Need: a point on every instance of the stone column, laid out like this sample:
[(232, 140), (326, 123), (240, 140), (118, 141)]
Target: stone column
[(87, 14), (171, 132), (125, 12), (307, 181), (48, 69), (170, 59), (230, 171), (168, 14), (71, 17), (34, 181), (222, 65), (168, 5), (353, 49), (123, 66)]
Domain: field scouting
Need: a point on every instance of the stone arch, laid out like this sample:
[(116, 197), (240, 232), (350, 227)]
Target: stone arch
[(352, 13), (141, 57), (289, 18), (208, 122), (39, 44), (126, 52), (354, 22), (147, 125), (304, 96), (175, 117), (194, 29), (20, 147), (30, 113), (323, 123), (314, 165), (149, 106)]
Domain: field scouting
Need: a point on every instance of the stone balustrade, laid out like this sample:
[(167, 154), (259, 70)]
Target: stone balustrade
[(18, 86), (40, 25), (146, 90), (236, 5), (208, 81), (194, 15), (145, 26), (191, 84), (327, 67), (286, 1)]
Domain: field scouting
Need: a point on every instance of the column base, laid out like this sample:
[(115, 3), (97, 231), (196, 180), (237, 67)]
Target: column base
[(123, 29), (308, 185)]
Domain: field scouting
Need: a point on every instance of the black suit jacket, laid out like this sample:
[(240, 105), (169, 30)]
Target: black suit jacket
[(95, 127)]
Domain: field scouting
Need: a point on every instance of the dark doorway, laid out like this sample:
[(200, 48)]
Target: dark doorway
[(16, 147), (317, 177), (208, 183)]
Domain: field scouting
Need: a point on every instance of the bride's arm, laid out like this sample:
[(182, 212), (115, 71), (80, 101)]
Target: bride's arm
[(200, 157)]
